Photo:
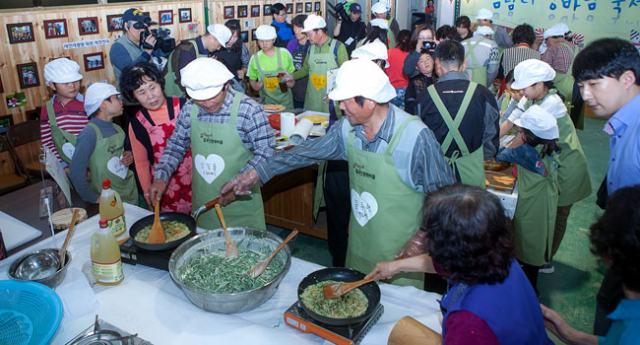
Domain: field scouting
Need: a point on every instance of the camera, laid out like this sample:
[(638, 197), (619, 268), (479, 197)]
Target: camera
[(428, 45), (165, 44), (340, 10)]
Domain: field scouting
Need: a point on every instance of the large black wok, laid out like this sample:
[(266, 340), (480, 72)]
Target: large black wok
[(371, 290)]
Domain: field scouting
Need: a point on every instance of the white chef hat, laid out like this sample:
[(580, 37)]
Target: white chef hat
[(62, 71), (557, 30), (381, 23), (531, 71), (540, 122), (204, 78), (372, 51), (220, 32), (484, 31), (379, 8), (96, 94), (484, 14), (266, 33), (314, 22), (362, 78)]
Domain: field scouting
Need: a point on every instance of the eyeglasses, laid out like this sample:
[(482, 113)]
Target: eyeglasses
[(425, 38)]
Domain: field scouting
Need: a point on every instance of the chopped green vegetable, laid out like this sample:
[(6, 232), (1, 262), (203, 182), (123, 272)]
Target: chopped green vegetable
[(352, 304)]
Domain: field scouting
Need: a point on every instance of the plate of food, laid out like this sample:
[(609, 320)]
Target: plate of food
[(273, 108)]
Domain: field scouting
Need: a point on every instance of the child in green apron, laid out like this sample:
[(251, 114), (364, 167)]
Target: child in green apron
[(100, 149), (270, 69)]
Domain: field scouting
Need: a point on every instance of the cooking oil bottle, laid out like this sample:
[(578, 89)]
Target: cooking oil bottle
[(105, 256), (111, 209)]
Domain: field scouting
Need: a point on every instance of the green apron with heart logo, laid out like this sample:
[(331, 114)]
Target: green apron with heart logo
[(478, 73), (105, 163), (218, 154), (469, 165), (319, 65), (271, 90), (385, 212), (64, 141)]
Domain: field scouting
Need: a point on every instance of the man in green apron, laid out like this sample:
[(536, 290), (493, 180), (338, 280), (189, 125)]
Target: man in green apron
[(325, 54), (228, 133), (393, 161), (481, 54), (501, 37), (214, 39), (463, 116)]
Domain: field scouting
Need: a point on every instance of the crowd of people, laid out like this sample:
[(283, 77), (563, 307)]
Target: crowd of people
[(414, 115)]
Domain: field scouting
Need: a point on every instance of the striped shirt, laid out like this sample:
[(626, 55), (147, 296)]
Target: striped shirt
[(513, 56), (559, 57), (429, 171), (252, 124), (70, 117)]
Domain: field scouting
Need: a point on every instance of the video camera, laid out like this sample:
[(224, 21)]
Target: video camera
[(340, 10), (165, 44)]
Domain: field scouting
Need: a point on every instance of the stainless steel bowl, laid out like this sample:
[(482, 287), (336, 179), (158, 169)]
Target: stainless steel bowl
[(213, 241), (30, 267)]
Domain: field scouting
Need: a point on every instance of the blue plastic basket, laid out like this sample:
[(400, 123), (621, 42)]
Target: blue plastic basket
[(30, 313)]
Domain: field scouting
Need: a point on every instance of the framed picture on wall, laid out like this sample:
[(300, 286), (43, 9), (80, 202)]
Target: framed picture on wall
[(93, 61), (55, 28), (245, 36), (28, 75), (243, 11), (289, 8), (317, 6), (308, 7), (253, 35), (33, 114), (299, 7), (185, 15), (266, 10), (255, 10), (228, 12), (20, 32), (115, 22), (89, 25), (6, 121), (165, 17)]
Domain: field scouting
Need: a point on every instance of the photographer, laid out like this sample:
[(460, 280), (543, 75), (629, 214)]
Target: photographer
[(349, 28)]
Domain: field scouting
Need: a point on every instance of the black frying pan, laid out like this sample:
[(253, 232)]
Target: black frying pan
[(371, 290)]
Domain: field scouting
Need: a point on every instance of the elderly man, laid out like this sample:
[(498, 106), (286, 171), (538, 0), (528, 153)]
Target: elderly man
[(214, 39), (481, 54), (393, 159), (228, 134)]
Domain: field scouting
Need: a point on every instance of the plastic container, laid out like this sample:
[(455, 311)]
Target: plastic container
[(111, 209), (105, 256)]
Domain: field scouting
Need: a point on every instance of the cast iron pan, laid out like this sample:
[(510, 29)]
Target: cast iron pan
[(371, 290), (183, 218)]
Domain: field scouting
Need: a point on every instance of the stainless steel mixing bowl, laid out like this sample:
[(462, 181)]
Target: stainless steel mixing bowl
[(213, 241), (40, 266)]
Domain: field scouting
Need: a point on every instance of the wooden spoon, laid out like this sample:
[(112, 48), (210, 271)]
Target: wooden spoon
[(258, 269), (336, 290), (157, 232), (232, 250), (63, 251)]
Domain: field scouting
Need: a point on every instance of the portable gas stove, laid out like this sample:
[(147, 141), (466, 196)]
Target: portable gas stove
[(131, 254), (104, 333), (297, 318)]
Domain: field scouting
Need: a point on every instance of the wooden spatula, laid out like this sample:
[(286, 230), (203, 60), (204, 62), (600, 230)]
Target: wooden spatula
[(63, 250), (157, 232), (336, 290), (258, 269), (232, 250)]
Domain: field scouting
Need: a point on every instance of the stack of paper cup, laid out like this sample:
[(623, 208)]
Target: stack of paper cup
[(301, 132), (287, 124)]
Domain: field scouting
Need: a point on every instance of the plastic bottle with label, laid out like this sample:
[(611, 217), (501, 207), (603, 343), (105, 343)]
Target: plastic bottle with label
[(105, 256), (111, 209)]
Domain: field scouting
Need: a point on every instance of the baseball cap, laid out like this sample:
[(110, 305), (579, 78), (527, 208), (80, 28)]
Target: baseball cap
[(484, 14), (557, 30), (220, 32), (531, 71), (314, 22), (540, 122), (484, 31), (381, 23), (379, 7), (355, 8), (204, 78), (134, 14), (362, 78), (372, 51), (96, 94), (62, 71), (266, 32)]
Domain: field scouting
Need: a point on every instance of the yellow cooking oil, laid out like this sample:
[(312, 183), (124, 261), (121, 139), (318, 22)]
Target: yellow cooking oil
[(105, 256), (111, 209)]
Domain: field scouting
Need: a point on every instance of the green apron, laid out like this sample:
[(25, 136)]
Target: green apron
[(64, 141), (535, 214), (271, 91), (319, 65), (564, 81), (390, 35), (385, 212), (105, 163), (478, 73), (470, 166), (172, 85), (218, 154)]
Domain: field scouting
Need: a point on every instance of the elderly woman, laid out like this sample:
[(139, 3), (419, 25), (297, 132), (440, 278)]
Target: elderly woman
[(149, 131), (468, 242)]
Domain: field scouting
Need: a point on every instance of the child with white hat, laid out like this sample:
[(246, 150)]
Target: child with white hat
[(100, 149), (271, 68), (63, 117)]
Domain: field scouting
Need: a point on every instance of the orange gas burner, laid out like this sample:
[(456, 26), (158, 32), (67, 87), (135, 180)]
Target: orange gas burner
[(339, 335)]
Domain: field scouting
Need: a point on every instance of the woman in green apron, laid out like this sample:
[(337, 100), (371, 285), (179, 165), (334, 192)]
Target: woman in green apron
[(270, 69)]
